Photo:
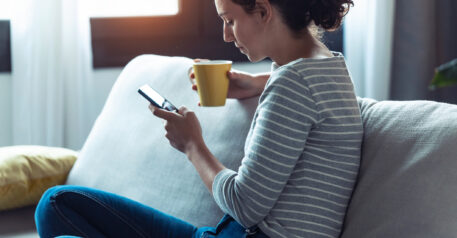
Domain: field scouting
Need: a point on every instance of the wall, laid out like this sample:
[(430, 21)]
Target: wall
[(103, 80)]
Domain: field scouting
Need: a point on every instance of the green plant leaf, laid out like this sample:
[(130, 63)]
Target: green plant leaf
[(445, 75)]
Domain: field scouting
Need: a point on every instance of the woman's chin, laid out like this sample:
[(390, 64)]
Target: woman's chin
[(254, 59)]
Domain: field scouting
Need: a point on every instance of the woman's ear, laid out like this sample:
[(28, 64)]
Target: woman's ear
[(264, 9)]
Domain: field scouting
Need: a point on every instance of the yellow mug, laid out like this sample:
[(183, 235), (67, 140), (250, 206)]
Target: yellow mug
[(212, 81)]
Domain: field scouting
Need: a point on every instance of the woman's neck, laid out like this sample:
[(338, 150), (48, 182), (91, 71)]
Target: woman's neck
[(289, 47)]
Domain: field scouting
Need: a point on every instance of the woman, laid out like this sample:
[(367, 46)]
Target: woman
[(301, 155)]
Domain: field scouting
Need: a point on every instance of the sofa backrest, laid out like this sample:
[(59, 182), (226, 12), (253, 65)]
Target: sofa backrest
[(127, 152), (407, 185)]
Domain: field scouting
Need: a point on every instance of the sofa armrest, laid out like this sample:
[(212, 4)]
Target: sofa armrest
[(128, 154)]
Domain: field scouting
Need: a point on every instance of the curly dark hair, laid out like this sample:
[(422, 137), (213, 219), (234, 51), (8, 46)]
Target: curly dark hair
[(298, 14)]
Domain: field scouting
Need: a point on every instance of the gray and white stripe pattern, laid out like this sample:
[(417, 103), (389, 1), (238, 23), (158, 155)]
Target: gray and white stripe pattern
[(302, 153)]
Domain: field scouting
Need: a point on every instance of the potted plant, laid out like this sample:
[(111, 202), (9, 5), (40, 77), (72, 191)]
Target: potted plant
[(445, 75)]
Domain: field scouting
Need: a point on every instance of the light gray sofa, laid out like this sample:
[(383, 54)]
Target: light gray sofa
[(407, 185)]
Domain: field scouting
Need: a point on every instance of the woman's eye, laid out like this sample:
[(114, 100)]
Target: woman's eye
[(229, 22)]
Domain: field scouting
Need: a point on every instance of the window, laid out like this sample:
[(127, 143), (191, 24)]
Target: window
[(5, 9), (132, 8)]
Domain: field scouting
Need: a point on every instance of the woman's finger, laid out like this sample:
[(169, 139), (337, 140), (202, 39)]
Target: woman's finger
[(200, 60), (192, 78), (160, 113), (183, 110)]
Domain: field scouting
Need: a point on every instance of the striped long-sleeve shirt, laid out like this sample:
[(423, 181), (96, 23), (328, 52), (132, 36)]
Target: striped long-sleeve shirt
[(302, 153)]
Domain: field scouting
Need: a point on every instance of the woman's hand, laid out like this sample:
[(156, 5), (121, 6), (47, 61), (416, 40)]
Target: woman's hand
[(183, 128), (244, 85), (185, 134)]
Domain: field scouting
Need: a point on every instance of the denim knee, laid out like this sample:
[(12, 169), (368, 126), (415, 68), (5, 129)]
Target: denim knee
[(45, 213), (45, 199)]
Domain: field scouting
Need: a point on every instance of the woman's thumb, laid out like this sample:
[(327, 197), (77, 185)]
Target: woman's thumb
[(233, 75)]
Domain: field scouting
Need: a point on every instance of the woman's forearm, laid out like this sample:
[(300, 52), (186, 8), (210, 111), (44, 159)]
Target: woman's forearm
[(263, 76), (206, 164)]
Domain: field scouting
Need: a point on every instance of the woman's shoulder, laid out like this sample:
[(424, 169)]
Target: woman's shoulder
[(301, 65), (322, 63), (306, 71)]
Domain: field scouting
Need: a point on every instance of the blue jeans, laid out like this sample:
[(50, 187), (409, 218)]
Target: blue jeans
[(80, 211)]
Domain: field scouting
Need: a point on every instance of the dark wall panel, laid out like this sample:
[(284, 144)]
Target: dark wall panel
[(5, 46), (195, 32)]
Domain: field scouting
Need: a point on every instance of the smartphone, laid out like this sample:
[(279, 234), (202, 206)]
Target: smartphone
[(156, 99)]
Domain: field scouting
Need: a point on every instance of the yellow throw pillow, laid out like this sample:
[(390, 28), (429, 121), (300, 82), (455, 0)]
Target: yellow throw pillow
[(27, 171)]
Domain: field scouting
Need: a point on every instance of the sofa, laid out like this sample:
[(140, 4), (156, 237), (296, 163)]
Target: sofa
[(407, 185)]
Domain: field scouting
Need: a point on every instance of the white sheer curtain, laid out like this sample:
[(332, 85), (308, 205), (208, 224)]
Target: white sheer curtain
[(51, 72), (368, 43)]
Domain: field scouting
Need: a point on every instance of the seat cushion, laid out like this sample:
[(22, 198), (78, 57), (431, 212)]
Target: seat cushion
[(407, 182), (127, 152)]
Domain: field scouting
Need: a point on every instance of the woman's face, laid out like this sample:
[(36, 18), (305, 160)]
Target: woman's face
[(241, 28)]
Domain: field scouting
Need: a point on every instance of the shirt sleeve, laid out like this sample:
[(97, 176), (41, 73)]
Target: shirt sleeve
[(284, 117)]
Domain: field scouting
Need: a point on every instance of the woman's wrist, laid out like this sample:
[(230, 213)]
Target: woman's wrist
[(261, 80), (206, 164), (196, 150)]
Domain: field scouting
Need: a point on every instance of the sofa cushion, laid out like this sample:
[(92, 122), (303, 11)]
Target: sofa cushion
[(127, 152), (407, 183), (27, 171)]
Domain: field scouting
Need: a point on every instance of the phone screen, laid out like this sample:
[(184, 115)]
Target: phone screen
[(155, 98), (153, 95)]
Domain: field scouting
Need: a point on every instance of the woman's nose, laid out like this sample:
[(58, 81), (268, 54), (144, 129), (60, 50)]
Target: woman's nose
[(228, 34)]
